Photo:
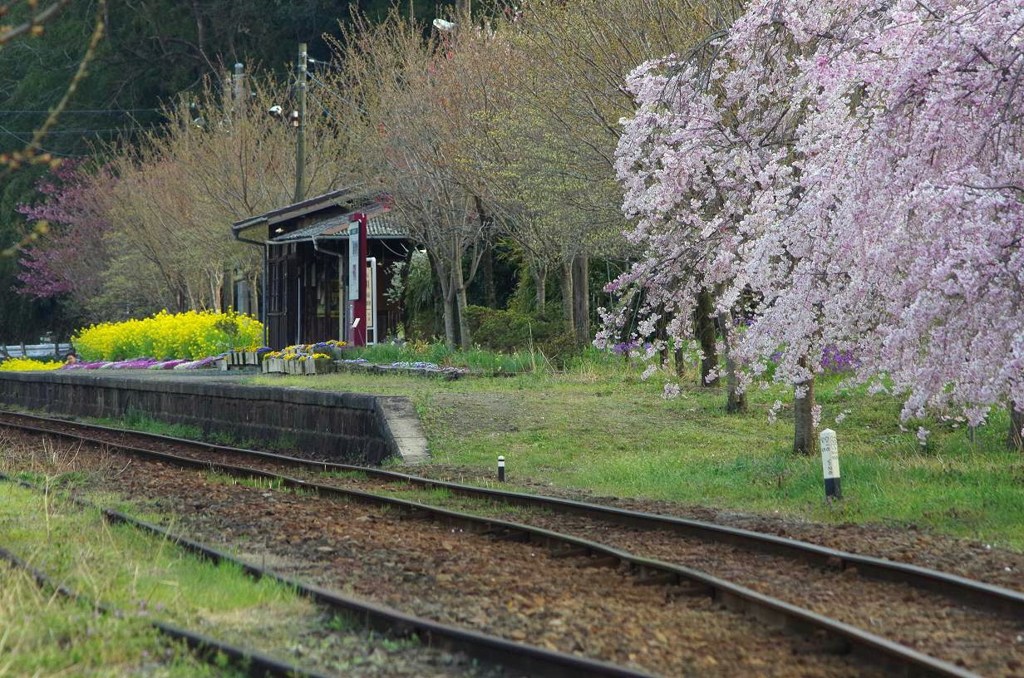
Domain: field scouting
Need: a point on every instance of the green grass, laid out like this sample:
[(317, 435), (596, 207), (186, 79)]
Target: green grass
[(474, 359), (148, 577), (45, 634), (598, 427), (139, 574), (140, 421), (131, 570)]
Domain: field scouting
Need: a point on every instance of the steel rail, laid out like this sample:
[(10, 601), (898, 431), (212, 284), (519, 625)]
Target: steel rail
[(208, 649), (961, 589), (535, 661), (868, 646)]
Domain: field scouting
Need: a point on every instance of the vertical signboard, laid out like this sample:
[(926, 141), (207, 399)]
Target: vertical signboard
[(357, 235), (371, 300), (353, 261)]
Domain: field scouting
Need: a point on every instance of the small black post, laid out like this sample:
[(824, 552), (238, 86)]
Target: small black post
[(501, 469)]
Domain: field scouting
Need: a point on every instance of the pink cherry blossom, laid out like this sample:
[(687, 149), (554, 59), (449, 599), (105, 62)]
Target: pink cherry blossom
[(856, 170)]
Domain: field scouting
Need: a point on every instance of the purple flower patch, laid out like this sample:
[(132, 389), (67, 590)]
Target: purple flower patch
[(835, 360), (625, 347)]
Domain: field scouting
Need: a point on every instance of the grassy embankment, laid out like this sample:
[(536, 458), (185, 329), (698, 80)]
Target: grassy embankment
[(598, 427), (145, 577)]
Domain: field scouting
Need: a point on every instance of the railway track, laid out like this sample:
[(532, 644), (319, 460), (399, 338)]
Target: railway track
[(496, 581), (986, 611), (515, 658)]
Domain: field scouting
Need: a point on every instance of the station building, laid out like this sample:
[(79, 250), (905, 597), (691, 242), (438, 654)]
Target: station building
[(327, 265)]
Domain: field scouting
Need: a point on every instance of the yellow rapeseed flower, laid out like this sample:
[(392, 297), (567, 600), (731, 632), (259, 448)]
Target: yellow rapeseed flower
[(191, 335), (29, 364)]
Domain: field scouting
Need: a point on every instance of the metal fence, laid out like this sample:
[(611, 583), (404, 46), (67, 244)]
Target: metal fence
[(34, 350)]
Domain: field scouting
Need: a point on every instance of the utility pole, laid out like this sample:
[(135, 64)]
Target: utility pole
[(300, 125), (238, 81)]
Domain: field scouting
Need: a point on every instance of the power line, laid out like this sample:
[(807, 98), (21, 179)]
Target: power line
[(331, 93), (24, 138), (82, 130), (28, 142), (108, 111)]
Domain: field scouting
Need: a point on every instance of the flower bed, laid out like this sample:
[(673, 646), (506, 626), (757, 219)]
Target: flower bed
[(147, 364), (316, 358)]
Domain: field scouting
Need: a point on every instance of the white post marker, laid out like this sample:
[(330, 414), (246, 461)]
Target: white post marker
[(501, 469), (830, 464)]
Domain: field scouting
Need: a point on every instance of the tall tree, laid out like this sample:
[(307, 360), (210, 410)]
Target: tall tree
[(412, 112), (66, 261), (887, 217), (933, 208), (708, 163), (153, 51), (221, 159), (21, 152), (581, 54)]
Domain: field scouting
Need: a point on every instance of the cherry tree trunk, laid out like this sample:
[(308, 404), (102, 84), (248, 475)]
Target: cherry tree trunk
[(662, 335), (445, 277), (736, 400), (680, 359), (804, 440), (540, 285), (216, 282), (704, 328), (1015, 439)]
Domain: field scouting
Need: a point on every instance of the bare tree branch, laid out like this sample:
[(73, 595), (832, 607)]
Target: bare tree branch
[(35, 24)]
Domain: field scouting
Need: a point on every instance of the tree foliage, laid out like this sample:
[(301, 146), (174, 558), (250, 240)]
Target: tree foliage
[(153, 53), (29, 21), (220, 160), (505, 128), (415, 111)]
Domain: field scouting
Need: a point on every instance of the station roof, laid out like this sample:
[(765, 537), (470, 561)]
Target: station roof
[(382, 225), (338, 208)]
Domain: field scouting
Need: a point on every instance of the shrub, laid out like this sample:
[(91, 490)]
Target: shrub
[(191, 335), (560, 348), (510, 331)]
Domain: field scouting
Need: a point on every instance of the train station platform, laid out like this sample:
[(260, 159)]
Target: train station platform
[(340, 427)]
